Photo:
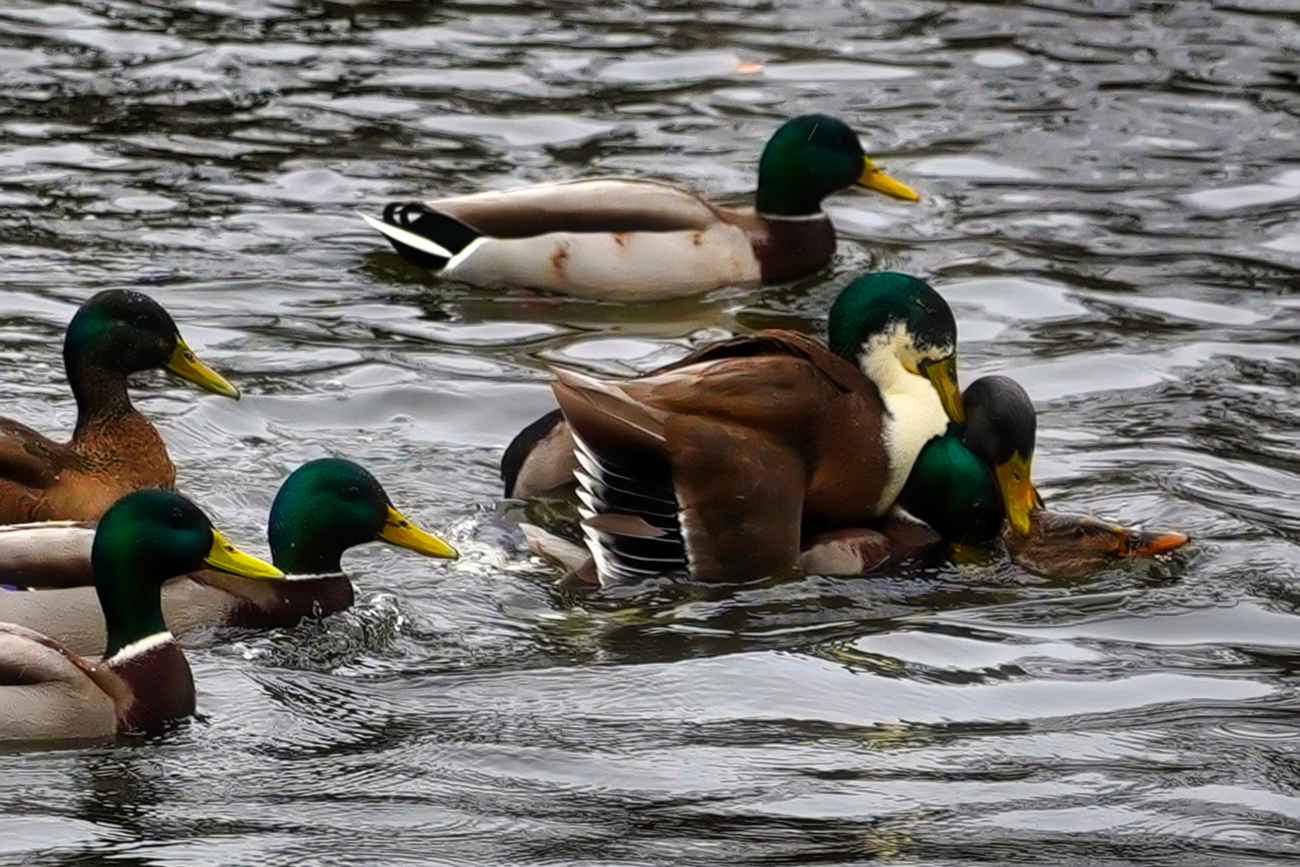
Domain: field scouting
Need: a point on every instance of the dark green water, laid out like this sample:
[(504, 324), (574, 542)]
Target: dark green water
[(1111, 203)]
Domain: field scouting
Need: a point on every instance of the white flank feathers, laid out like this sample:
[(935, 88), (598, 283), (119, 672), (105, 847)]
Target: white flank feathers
[(586, 484), (633, 265)]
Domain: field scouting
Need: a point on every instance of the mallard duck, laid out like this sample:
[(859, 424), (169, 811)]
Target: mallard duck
[(114, 449), (955, 493), (966, 482), (1063, 545), (969, 488), (325, 507), (47, 692), (722, 463), (627, 239)]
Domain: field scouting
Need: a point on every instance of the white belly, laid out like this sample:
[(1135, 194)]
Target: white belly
[(632, 266), (915, 416)]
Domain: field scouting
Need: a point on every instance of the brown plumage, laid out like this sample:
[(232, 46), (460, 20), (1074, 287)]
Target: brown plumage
[(761, 440), (733, 459), (1064, 545), (114, 449)]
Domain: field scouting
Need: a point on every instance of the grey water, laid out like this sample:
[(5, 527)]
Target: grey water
[(1111, 202)]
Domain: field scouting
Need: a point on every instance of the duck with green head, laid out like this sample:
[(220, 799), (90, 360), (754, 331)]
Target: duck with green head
[(114, 449), (723, 463), (966, 482), (48, 692), (956, 490), (974, 486), (630, 239), (324, 508)]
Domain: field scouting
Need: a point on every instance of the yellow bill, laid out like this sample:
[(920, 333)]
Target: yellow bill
[(227, 558), (402, 533), (1019, 497), (185, 364), (943, 375), (874, 179)]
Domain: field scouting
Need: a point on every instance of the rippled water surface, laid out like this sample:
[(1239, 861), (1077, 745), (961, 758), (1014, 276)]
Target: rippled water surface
[(1111, 203)]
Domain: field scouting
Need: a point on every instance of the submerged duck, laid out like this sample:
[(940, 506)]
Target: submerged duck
[(1063, 545), (974, 486), (628, 239), (325, 507), (722, 463), (114, 449), (989, 474), (47, 692), (962, 486)]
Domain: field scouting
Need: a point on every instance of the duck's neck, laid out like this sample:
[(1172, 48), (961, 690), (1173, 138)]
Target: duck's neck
[(794, 246), (299, 547), (101, 396), (140, 651), (782, 198), (132, 608), (913, 413)]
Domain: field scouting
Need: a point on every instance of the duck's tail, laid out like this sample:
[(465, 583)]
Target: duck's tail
[(536, 436), (422, 236)]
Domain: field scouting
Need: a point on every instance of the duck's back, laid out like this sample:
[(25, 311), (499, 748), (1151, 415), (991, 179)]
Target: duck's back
[(863, 453), (45, 694), (827, 409), (737, 451), (597, 205), (610, 239)]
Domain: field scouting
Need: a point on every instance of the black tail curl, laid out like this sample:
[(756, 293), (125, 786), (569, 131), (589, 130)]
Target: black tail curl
[(447, 232)]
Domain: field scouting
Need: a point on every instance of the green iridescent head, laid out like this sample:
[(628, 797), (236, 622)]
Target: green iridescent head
[(954, 492), (1001, 429), (124, 332), (329, 505), (144, 539), (900, 317), (809, 158), (964, 483)]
